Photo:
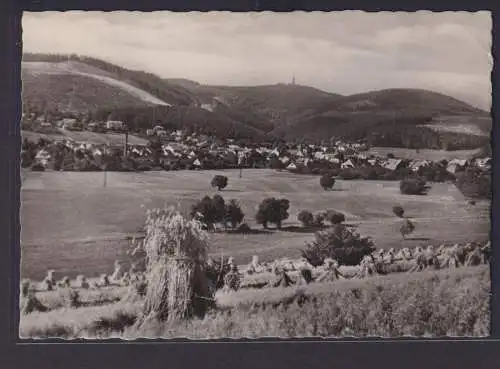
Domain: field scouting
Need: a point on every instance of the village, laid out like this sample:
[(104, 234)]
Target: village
[(66, 146)]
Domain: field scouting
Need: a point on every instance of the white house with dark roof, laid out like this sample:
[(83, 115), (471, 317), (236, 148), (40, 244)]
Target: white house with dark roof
[(456, 165), (348, 164), (392, 164)]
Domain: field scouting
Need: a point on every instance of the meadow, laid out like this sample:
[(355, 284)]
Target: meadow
[(422, 154), (95, 138), (75, 225), (429, 304)]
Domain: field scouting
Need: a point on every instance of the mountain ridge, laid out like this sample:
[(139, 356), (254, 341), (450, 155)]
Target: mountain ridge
[(281, 110)]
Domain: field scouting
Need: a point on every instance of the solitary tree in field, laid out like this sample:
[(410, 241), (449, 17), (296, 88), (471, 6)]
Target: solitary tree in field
[(219, 181), (413, 186), (398, 211), (406, 228), (339, 243), (327, 181), (272, 210)]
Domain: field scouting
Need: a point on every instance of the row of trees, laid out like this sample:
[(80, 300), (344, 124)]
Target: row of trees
[(309, 219), (214, 210)]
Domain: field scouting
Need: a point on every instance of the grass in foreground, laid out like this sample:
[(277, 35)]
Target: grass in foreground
[(429, 304)]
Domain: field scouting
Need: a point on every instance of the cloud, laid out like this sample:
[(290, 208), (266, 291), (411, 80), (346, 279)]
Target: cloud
[(343, 52)]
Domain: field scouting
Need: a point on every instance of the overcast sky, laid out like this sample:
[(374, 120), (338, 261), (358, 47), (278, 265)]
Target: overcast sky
[(342, 52)]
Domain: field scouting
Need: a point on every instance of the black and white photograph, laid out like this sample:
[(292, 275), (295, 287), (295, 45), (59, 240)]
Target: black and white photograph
[(255, 175)]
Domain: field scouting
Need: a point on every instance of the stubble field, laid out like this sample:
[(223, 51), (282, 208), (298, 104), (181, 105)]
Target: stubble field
[(75, 225)]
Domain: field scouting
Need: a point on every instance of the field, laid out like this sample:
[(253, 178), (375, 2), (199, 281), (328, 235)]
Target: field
[(430, 304), (422, 154), (480, 126), (73, 224), (85, 136)]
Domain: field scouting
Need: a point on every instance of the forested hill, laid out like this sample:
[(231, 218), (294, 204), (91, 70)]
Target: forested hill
[(394, 117)]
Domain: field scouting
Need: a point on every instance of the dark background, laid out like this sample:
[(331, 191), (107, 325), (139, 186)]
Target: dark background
[(404, 353)]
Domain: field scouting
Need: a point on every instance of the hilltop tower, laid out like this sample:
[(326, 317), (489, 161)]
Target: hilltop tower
[(293, 79)]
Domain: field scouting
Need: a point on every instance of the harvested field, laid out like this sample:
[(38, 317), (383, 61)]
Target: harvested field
[(454, 302), (72, 224)]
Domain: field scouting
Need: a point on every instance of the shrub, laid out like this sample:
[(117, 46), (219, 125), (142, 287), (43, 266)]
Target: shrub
[(272, 210), (276, 163), (327, 181), (390, 175), (26, 159), (335, 217), (84, 165), (234, 214), (474, 183), (407, 227), (306, 218), (398, 211), (340, 243), (413, 186), (38, 167), (244, 228), (349, 174), (219, 181)]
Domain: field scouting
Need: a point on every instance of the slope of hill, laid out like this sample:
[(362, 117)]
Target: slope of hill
[(473, 125), (147, 87), (275, 104), (408, 100), (388, 113), (80, 92), (394, 117)]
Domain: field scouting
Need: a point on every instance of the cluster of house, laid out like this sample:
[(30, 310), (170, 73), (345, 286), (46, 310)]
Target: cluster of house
[(345, 156), (42, 124), (203, 152)]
